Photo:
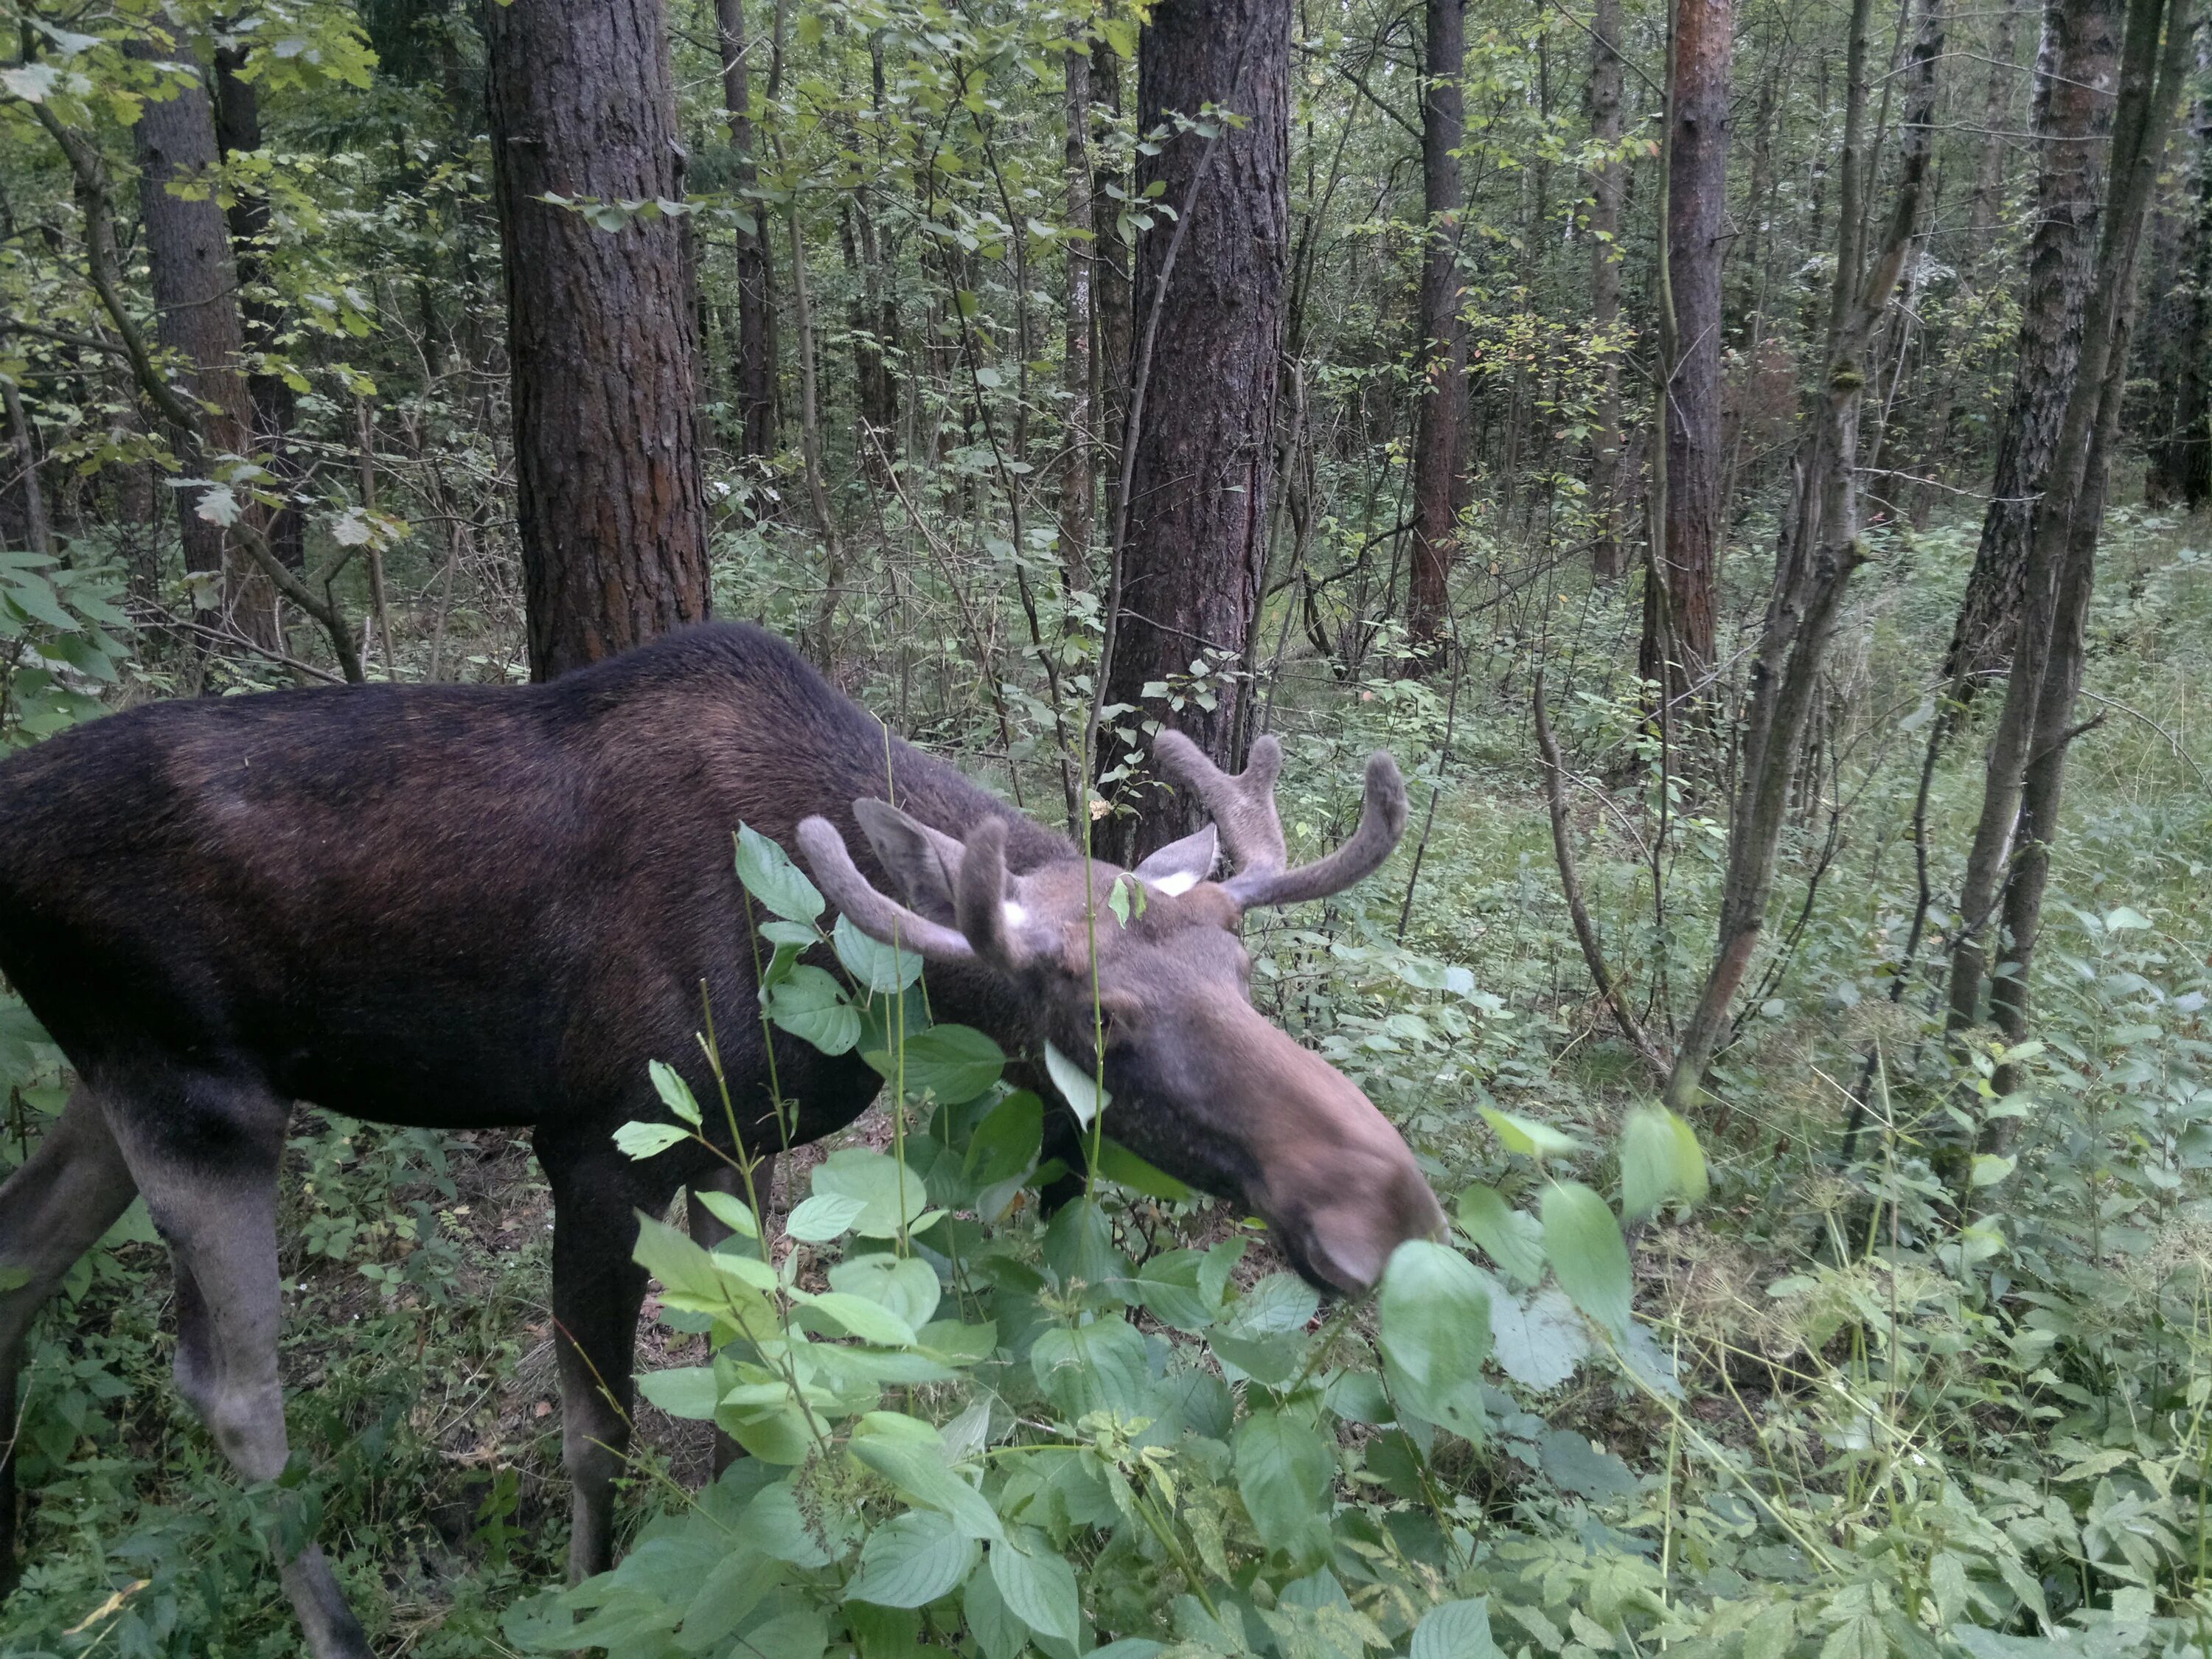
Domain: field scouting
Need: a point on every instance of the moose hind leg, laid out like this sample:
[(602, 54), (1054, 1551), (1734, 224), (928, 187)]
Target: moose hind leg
[(53, 1210), (216, 1203)]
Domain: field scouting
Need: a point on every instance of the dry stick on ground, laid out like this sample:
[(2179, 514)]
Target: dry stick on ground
[(101, 265), (1609, 986)]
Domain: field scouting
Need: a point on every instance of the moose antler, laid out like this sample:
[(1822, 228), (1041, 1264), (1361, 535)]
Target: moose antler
[(882, 919), (966, 880), (1244, 807)]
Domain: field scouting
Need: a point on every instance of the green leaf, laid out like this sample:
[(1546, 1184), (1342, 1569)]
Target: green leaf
[(1586, 1250), (1527, 1137), (1989, 1169), (2126, 918), (1168, 1287), (811, 1005), (1434, 1314), (1457, 1630), (1038, 1587), (731, 1212), (675, 1093), (911, 1560), (1101, 1366), (1282, 1472), (874, 965), (1538, 1345), (904, 1285), (1508, 1237), (825, 1216), (770, 877), (1660, 1159), (1077, 1085), (999, 1634), (1119, 1164), (956, 1063), (1005, 1143), (685, 1391), (891, 1196), (917, 1468), (1078, 1248), (642, 1140), (861, 1318)]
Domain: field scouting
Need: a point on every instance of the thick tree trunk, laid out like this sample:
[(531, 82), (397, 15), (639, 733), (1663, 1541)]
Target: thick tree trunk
[(1819, 548), (1442, 383), (601, 329), (1608, 556), (1078, 373), (2181, 452), (238, 131), (2075, 74), (755, 365), (1680, 597), (1204, 399), (197, 316), (2059, 552)]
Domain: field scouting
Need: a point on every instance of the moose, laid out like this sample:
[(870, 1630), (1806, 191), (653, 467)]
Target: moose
[(468, 907)]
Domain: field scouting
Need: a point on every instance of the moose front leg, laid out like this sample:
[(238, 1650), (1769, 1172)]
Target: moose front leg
[(206, 1156), (598, 1289)]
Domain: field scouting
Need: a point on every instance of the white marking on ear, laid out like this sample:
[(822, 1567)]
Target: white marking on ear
[(1015, 914), (1180, 882)]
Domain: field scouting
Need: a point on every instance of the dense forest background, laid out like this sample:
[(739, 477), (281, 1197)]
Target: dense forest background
[(1745, 458)]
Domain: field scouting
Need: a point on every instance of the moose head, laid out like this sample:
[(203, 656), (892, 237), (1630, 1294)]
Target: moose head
[(1198, 1081)]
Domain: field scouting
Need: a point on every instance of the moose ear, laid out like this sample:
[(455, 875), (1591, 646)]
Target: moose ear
[(923, 863), (1180, 865)]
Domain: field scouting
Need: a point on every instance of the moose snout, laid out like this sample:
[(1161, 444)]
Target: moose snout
[(1343, 1239)]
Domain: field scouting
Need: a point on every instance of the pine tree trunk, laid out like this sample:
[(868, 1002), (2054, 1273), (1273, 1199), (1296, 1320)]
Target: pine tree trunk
[(196, 302), (756, 355), (1608, 556), (1681, 595), (1077, 373), (1203, 401), (276, 407), (602, 332), (1441, 387), (2075, 76), (2181, 452)]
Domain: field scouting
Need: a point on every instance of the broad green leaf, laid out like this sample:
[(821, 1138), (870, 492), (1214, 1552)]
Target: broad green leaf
[(1284, 1467), (1457, 1630), (686, 1391), (675, 1093), (1539, 1345), (825, 1216), (1078, 1084), (911, 1560), (1078, 1248), (1038, 1586), (1527, 1137), (1117, 1163), (1168, 1287), (1583, 1243), (1508, 1237), (1660, 1159), (1101, 1366), (1434, 1314), (993, 1624), (891, 1196), (811, 1005), (874, 965), (1989, 1169), (642, 1140), (729, 1210), (1005, 1143), (770, 877), (917, 1468), (735, 1587), (2126, 918), (905, 1286), (867, 1321), (955, 1063)]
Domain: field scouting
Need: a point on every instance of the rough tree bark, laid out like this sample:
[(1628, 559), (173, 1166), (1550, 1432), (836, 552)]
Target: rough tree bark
[(1820, 547), (1442, 384), (601, 329), (1078, 373), (755, 365), (2010, 846), (196, 315), (238, 131), (2181, 452), (2075, 70), (1608, 556), (1204, 400), (1679, 594)]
